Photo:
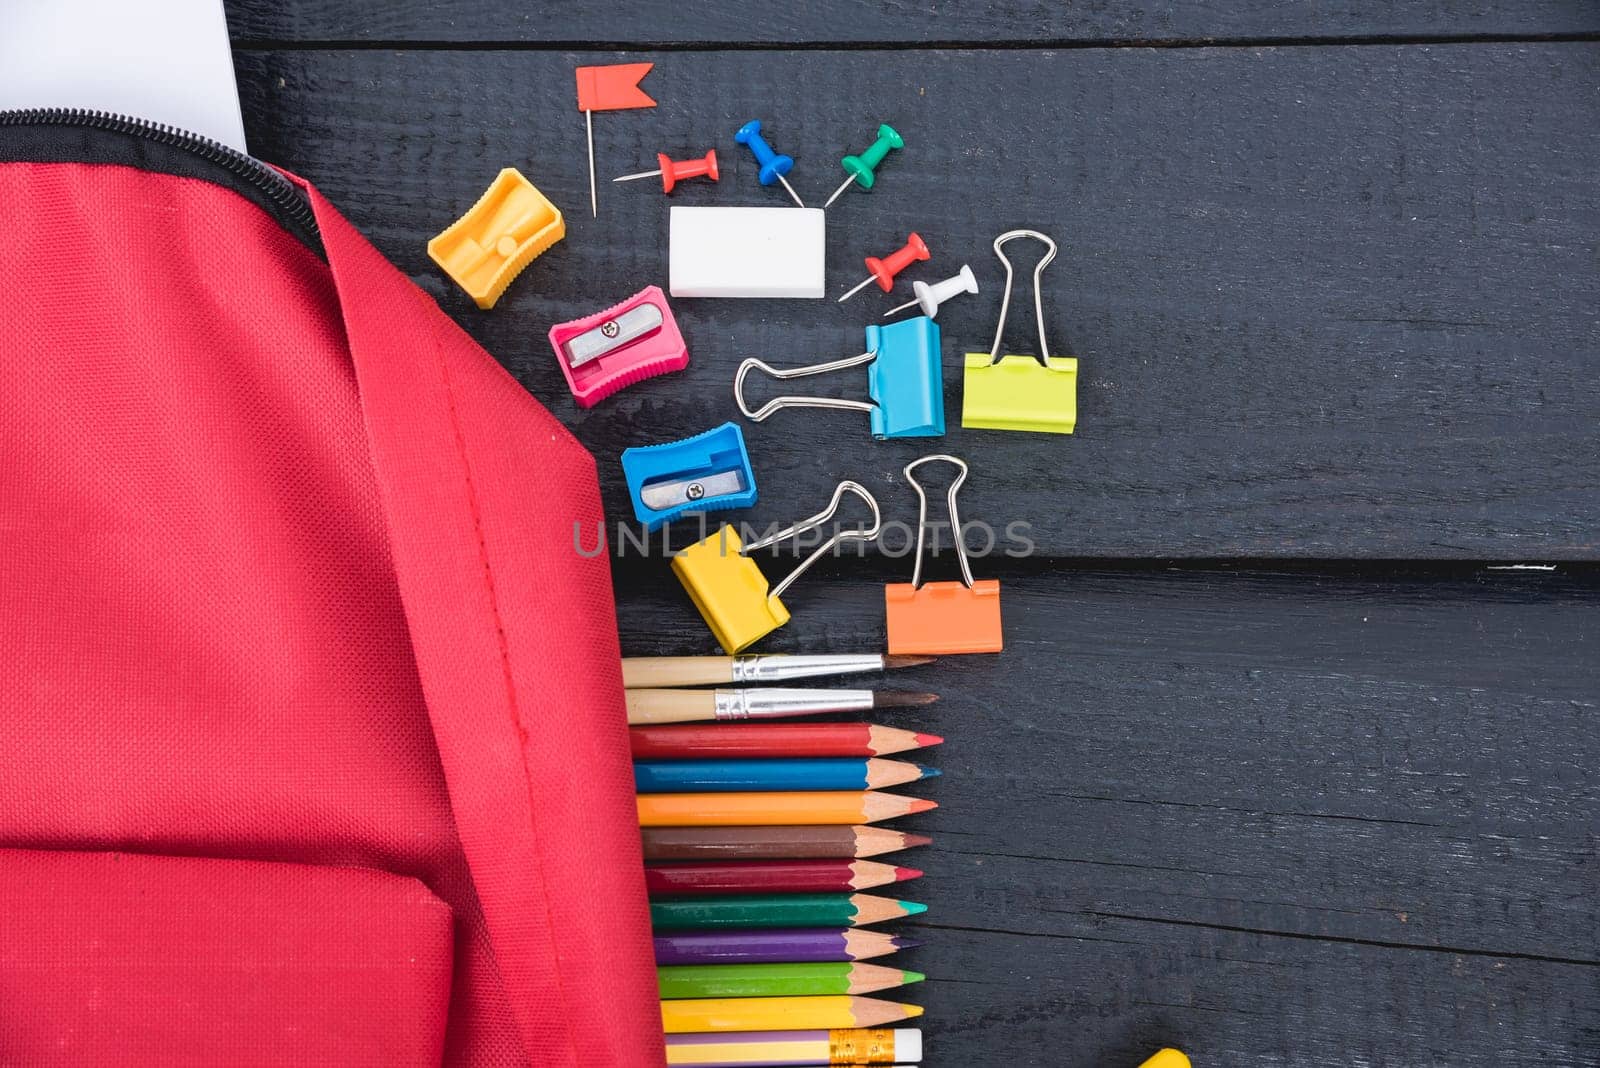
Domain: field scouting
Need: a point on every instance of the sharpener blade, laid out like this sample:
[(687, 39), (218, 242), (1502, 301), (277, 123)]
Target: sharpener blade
[(664, 495), (612, 335)]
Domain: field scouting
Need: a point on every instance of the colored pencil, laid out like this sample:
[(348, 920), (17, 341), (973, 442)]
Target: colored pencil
[(778, 980), (773, 702), (833, 773), (753, 1048), (788, 809), (686, 740), (778, 910), (781, 946), (773, 877), (769, 1014), (774, 843), (642, 671)]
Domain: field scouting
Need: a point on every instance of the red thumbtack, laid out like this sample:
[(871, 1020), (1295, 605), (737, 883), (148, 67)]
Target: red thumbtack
[(884, 270), (673, 172)]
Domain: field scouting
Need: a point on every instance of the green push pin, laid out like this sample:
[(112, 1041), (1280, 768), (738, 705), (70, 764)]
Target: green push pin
[(860, 168)]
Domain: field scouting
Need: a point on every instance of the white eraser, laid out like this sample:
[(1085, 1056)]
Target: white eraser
[(747, 252), (908, 1045)]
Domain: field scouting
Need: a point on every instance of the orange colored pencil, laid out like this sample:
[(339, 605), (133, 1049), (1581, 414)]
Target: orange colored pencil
[(791, 808)]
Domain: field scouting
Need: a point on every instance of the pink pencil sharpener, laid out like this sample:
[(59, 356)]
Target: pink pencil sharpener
[(626, 343)]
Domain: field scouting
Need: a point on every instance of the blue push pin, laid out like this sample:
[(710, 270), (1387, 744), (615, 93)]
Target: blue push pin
[(773, 166)]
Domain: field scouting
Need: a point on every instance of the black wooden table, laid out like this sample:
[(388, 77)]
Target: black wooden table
[(1290, 759)]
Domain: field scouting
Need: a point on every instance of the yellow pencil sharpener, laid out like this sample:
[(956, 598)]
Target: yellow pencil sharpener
[(510, 225), (1021, 392), (1167, 1058)]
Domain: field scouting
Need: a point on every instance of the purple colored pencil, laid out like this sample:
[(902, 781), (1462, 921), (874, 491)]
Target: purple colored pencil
[(778, 946)]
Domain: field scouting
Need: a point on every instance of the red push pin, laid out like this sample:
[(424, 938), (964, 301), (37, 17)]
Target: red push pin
[(674, 172), (884, 270)]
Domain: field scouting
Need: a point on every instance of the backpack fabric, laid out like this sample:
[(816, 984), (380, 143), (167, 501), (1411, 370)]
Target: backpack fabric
[(316, 741)]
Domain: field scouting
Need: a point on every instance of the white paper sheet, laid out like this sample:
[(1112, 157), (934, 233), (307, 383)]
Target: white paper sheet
[(168, 61)]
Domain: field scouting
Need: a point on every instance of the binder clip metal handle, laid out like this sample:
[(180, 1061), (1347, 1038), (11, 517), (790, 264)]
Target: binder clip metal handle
[(922, 516), (1038, 295), (731, 592), (905, 381), (811, 523), (776, 403), (942, 617)]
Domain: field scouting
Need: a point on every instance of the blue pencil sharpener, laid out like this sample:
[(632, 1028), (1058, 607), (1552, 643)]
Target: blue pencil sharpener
[(709, 472)]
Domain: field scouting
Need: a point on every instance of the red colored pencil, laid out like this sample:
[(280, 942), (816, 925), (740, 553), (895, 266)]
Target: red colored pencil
[(772, 876), (774, 740)]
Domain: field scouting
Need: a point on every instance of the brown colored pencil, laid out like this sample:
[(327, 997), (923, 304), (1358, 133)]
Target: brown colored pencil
[(774, 843)]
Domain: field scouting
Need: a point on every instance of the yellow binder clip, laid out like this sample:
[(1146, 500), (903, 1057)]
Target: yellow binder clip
[(498, 236), (1021, 392), (731, 592)]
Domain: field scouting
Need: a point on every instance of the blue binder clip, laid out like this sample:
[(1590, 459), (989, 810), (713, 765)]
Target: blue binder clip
[(709, 472), (905, 380)]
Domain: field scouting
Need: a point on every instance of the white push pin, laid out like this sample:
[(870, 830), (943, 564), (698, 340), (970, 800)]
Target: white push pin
[(930, 297)]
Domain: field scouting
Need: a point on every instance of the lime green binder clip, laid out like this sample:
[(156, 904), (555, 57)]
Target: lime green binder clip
[(1021, 392)]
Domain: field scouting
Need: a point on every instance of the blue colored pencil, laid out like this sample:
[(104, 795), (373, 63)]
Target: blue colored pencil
[(694, 776)]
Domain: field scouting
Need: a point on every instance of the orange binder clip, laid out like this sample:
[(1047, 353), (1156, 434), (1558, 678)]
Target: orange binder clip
[(942, 617), (498, 236)]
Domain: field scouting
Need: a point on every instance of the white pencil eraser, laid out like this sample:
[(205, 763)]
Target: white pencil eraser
[(747, 252), (908, 1045)]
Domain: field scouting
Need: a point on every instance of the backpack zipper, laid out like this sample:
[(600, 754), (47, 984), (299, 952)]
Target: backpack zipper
[(282, 194)]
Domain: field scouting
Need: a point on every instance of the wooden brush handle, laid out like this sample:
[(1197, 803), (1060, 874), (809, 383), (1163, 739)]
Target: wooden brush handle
[(641, 671), (670, 706)]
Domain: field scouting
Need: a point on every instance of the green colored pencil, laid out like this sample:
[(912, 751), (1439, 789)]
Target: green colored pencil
[(778, 980), (777, 910)]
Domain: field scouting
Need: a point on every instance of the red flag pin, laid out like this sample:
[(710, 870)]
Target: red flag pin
[(610, 88)]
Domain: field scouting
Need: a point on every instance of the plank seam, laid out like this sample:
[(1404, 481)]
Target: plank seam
[(1374, 943), (271, 44)]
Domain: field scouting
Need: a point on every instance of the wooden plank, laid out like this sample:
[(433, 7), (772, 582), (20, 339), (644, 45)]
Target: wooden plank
[(1032, 22), (1328, 302), (1275, 819)]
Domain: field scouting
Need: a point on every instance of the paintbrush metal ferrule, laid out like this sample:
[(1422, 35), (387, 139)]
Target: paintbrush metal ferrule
[(777, 702), (784, 668)]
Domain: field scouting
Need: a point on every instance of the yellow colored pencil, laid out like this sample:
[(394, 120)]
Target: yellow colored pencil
[(790, 808), (693, 1015)]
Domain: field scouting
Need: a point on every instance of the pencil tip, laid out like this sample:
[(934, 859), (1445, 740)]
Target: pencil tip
[(904, 943), (925, 772), (901, 874), (925, 740), (912, 841), (912, 1011), (907, 976), (891, 663), (900, 699), (913, 908), (921, 804)]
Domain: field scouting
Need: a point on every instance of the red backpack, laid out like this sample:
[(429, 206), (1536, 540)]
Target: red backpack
[(316, 744)]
